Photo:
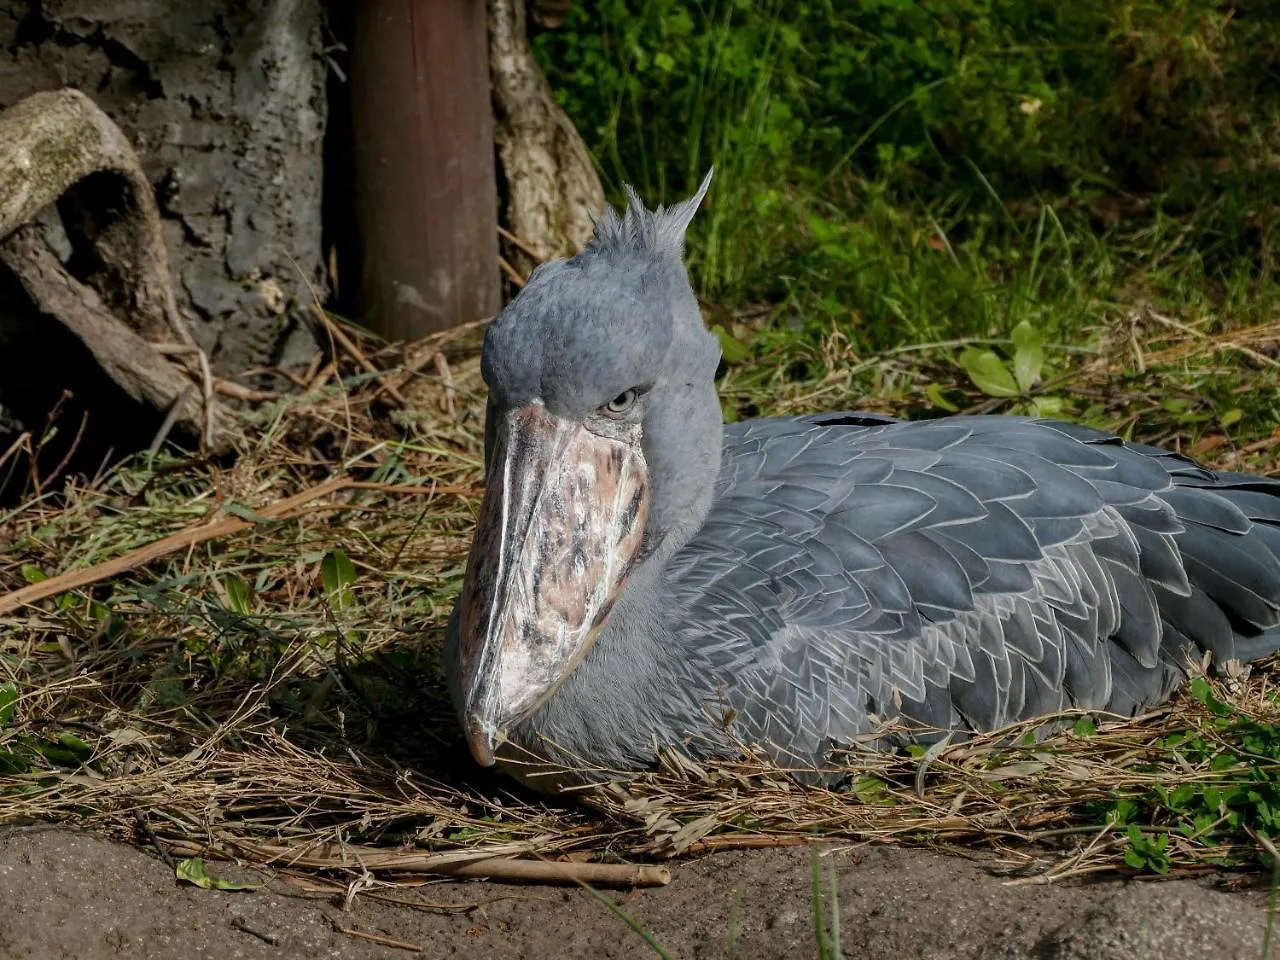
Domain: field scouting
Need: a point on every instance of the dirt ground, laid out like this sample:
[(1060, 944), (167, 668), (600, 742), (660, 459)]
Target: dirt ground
[(73, 895)]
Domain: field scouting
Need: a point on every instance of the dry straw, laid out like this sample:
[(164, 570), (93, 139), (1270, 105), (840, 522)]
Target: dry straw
[(208, 680)]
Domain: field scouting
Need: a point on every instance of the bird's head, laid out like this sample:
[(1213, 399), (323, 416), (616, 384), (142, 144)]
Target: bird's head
[(602, 441)]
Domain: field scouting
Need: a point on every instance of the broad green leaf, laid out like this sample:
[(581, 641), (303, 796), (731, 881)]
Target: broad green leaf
[(1028, 356), (8, 701), (1232, 416), (731, 348), (988, 373), (338, 573), (237, 594), (1085, 727), (194, 871), (934, 393), (32, 574)]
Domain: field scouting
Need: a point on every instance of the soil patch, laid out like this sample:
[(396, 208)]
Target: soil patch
[(74, 895)]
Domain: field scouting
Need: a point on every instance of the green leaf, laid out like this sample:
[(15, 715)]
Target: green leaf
[(1134, 859), (194, 871), (988, 373), (1232, 416), (732, 349), (8, 701), (11, 761), (872, 791), (67, 751), (1047, 406), (338, 573), (244, 513), (934, 393), (32, 574), (237, 594), (1201, 690), (1028, 356), (1085, 727)]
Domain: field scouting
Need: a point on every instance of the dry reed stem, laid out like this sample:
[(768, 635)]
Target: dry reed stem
[(75, 579)]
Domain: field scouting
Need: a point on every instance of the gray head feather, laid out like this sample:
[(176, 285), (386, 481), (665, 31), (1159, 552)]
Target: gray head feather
[(659, 231)]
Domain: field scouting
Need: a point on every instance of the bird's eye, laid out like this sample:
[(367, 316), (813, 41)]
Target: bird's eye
[(620, 404)]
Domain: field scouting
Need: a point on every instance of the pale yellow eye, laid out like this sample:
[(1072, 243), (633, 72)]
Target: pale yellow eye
[(620, 404)]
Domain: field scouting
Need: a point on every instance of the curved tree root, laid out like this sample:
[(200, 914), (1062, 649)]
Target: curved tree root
[(49, 144)]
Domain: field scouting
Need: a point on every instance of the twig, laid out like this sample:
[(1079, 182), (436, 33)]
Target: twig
[(323, 376), (140, 821), (376, 938), (239, 392), (75, 444), (462, 864), (357, 354), (519, 244), (738, 841), (415, 491), (206, 398), (74, 579), (512, 273), (241, 924), (170, 418), (446, 377)]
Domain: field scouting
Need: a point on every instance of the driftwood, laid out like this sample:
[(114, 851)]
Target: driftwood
[(51, 143), (553, 191)]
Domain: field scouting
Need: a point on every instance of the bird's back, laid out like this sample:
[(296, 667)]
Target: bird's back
[(964, 573)]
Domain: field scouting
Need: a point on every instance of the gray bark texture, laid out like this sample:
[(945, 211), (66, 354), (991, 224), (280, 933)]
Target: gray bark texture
[(225, 104), (552, 188)]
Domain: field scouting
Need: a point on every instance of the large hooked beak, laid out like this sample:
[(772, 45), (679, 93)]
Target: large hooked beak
[(560, 527)]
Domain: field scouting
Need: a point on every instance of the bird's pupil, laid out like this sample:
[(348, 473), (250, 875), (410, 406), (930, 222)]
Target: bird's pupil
[(622, 400)]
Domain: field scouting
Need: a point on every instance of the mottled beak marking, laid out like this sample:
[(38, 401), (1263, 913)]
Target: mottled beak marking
[(561, 524)]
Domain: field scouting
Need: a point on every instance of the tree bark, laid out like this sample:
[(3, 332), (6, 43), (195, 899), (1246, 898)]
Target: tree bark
[(553, 191), (49, 144)]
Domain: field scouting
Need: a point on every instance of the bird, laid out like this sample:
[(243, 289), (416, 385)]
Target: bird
[(645, 577)]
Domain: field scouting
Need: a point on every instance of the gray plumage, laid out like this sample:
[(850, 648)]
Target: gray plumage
[(805, 579)]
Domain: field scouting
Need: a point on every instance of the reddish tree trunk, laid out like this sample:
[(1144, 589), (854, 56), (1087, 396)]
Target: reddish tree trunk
[(426, 198)]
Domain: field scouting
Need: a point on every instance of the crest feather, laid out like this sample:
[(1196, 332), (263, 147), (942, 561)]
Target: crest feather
[(659, 231)]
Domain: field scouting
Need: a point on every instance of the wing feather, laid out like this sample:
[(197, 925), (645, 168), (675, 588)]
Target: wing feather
[(970, 572)]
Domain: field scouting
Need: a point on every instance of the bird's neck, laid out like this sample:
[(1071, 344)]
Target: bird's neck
[(631, 693)]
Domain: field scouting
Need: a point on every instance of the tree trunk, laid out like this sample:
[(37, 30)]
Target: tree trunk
[(553, 191), (425, 187)]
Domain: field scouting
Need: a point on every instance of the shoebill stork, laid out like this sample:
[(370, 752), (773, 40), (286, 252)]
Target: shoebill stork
[(644, 576)]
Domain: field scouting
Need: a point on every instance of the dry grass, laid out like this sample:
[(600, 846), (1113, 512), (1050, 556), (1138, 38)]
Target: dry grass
[(222, 699)]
